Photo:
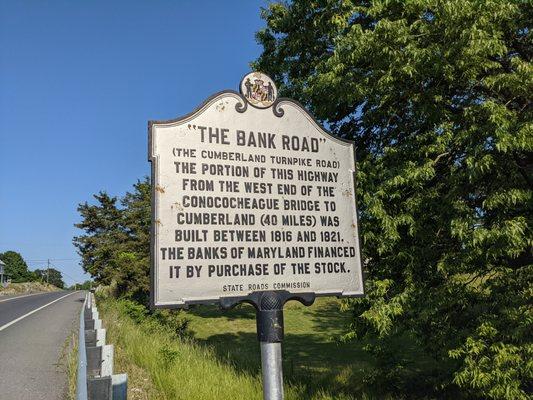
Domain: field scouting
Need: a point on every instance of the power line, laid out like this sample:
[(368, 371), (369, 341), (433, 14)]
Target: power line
[(59, 268), (64, 273), (53, 259)]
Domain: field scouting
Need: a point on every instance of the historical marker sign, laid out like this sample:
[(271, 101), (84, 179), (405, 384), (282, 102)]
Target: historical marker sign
[(251, 194)]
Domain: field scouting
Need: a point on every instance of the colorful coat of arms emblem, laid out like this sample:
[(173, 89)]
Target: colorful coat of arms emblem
[(259, 89)]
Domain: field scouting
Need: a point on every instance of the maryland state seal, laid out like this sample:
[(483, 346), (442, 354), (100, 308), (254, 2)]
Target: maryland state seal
[(259, 89)]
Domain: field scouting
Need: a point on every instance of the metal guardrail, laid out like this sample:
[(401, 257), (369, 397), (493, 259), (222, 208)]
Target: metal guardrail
[(81, 391), (96, 380)]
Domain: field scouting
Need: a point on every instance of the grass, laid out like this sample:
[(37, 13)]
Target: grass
[(313, 361), (177, 369), (222, 361), (27, 287), (68, 361), (72, 365)]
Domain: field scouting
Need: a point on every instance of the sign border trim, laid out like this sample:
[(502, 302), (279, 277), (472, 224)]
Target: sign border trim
[(241, 108)]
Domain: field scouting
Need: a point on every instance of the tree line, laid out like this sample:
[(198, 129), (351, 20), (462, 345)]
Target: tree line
[(17, 271)]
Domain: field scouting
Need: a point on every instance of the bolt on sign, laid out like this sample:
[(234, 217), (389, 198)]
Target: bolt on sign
[(251, 193)]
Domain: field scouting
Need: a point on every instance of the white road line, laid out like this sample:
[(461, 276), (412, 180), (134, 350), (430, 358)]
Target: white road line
[(26, 295), (33, 311)]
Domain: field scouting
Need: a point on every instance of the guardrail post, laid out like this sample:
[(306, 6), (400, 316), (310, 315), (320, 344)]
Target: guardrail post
[(90, 338), (100, 388), (100, 337), (94, 361), (95, 337), (106, 368), (120, 386), (95, 366), (93, 324)]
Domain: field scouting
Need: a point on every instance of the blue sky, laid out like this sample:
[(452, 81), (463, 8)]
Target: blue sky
[(78, 82)]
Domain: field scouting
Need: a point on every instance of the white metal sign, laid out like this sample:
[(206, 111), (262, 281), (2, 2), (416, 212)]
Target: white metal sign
[(251, 194)]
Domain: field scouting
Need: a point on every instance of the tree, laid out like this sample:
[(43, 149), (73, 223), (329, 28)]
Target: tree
[(51, 276), (88, 284), (99, 246), (437, 96), (16, 267), (133, 263), (115, 244)]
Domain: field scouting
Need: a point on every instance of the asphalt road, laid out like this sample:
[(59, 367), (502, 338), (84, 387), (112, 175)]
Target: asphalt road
[(33, 335)]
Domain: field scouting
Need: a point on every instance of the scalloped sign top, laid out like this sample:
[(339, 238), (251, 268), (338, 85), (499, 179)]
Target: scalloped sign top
[(251, 194)]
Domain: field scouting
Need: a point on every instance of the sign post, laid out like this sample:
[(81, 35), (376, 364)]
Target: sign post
[(270, 332), (252, 201)]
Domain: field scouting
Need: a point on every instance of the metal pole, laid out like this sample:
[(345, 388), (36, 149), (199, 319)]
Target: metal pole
[(272, 371), (270, 335), (269, 317)]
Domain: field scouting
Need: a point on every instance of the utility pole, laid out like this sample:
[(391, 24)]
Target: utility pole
[(48, 272)]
